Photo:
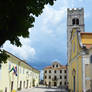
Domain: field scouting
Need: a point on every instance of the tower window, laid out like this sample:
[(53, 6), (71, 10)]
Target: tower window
[(91, 59), (75, 21)]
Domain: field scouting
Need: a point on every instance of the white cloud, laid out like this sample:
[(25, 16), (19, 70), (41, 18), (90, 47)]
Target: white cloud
[(53, 16), (25, 52)]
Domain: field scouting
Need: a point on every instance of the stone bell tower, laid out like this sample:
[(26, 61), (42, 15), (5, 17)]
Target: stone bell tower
[(75, 18)]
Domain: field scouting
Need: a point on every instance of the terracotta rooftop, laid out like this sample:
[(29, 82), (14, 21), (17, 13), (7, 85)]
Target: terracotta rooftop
[(88, 46), (86, 33), (86, 38), (50, 67)]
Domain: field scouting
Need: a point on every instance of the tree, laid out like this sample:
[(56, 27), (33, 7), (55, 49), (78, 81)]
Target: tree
[(16, 17)]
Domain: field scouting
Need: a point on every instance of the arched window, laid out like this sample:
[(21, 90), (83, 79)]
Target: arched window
[(73, 21), (77, 21), (57, 65), (91, 59)]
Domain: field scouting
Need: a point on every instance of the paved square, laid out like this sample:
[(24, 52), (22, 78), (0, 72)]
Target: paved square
[(43, 89)]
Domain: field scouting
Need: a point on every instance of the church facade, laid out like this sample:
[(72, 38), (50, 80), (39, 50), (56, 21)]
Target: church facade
[(79, 46)]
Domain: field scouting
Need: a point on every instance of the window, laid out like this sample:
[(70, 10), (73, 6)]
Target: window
[(23, 70), (49, 77), (65, 71), (91, 59), (49, 71), (55, 71), (61, 83), (45, 71), (65, 83), (60, 77), (20, 69), (65, 77), (53, 66), (55, 77), (60, 71), (45, 77), (57, 65), (45, 83), (49, 83), (77, 21), (73, 21)]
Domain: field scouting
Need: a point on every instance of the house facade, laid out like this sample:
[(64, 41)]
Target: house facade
[(16, 74), (55, 75)]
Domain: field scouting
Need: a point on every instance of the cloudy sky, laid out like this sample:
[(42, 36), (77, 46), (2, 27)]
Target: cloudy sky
[(48, 37)]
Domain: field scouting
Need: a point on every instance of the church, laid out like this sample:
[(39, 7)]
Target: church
[(79, 52)]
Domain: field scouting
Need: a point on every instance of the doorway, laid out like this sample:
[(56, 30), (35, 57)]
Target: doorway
[(20, 84), (55, 84), (74, 83), (24, 84), (11, 86), (27, 83)]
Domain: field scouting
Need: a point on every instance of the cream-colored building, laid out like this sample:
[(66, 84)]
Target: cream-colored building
[(16, 74), (55, 75)]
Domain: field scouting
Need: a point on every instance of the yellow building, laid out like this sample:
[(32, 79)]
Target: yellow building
[(16, 74), (80, 63)]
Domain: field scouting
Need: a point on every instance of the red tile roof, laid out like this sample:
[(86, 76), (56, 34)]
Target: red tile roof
[(50, 67)]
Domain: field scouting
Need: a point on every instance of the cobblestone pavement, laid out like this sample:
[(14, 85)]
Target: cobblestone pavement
[(43, 89)]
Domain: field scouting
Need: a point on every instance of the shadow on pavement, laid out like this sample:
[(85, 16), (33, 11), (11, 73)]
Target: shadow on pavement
[(46, 88)]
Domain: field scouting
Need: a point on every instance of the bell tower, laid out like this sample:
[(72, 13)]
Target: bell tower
[(75, 18)]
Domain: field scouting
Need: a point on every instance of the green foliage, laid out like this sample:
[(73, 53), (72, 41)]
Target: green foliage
[(3, 56), (16, 17)]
